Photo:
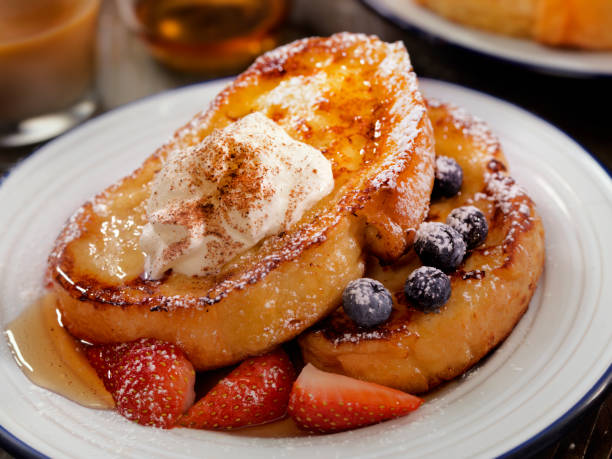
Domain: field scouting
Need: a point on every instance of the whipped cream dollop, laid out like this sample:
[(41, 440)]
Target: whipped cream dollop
[(214, 200)]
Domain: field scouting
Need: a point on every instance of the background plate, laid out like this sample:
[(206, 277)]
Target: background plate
[(408, 15), (556, 359)]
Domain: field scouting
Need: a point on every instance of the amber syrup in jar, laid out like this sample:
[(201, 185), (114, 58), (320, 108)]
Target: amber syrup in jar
[(208, 36)]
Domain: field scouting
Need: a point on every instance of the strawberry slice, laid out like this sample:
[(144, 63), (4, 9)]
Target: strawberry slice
[(105, 358), (254, 393), (151, 381), (326, 402)]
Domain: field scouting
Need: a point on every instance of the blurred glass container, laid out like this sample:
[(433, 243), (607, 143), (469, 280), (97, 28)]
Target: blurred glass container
[(213, 37), (46, 67)]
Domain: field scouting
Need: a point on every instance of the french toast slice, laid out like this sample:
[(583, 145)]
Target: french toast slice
[(491, 290), (568, 23), (353, 97)]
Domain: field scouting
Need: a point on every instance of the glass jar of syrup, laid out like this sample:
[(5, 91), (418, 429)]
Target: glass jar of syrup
[(206, 36)]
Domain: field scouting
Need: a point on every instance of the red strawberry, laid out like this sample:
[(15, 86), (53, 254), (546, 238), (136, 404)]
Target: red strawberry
[(254, 393), (104, 358), (151, 381), (326, 402)]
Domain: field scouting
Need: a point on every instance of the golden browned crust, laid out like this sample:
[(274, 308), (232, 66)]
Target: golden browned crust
[(491, 290), (354, 98)]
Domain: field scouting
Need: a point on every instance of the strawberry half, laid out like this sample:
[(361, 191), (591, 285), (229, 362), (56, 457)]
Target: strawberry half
[(104, 359), (254, 393), (151, 381), (326, 402)]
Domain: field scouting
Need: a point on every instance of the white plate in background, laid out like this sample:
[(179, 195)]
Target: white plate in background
[(557, 359), (407, 14)]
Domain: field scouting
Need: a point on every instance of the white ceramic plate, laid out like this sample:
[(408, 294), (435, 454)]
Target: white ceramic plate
[(408, 15), (555, 361)]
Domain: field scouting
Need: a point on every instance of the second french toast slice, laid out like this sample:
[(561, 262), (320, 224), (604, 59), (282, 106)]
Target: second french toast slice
[(491, 289)]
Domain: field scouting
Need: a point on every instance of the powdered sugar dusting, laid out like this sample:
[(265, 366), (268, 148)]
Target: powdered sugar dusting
[(154, 383), (459, 220), (424, 289), (436, 233), (444, 166), (503, 190), (470, 126), (362, 334), (410, 122), (510, 199)]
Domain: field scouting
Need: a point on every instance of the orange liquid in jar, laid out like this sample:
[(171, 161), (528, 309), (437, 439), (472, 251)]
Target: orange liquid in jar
[(209, 35), (46, 55), (53, 359)]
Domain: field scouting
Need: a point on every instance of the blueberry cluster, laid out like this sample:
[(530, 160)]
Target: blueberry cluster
[(441, 248)]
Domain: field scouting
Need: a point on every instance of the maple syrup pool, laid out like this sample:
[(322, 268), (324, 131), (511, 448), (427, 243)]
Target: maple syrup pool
[(53, 359)]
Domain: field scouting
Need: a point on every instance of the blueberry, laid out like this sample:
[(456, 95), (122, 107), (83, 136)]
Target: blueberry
[(471, 224), (448, 177), (439, 245), (367, 302), (427, 288)]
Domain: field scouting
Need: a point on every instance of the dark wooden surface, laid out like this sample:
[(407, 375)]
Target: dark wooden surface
[(580, 107)]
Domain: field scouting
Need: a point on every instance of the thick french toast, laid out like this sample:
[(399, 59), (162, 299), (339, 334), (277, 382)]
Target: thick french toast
[(491, 289), (354, 98)]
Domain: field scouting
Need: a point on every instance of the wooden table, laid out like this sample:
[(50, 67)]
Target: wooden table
[(577, 106)]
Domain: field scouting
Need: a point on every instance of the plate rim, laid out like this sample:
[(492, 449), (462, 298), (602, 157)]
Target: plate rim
[(551, 433), (538, 441), (16, 446), (398, 21)]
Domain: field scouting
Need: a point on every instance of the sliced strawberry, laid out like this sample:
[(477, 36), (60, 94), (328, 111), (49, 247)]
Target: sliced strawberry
[(326, 402), (153, 382), (105, 358), (254, 393)]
